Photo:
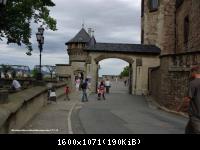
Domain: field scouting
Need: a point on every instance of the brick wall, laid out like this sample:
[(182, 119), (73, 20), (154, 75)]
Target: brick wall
[(190, 8)]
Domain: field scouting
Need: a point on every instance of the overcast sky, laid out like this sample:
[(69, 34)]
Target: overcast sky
[(114, 21)]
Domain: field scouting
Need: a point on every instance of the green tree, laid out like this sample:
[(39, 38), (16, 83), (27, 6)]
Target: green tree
[(125, 72), (35, 73), (18, 15)]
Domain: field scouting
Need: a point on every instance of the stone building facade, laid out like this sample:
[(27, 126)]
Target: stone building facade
[(173, 26), (85, 54)]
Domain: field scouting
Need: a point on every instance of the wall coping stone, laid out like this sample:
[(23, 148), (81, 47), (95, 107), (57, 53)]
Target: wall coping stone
[(179, 69)]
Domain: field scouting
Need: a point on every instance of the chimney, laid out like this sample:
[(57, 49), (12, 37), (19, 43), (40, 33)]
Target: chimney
[(90, 32)]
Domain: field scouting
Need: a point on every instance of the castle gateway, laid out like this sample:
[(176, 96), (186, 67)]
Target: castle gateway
[(85, 54)]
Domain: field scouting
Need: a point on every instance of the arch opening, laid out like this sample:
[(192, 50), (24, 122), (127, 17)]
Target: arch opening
[(110, 69)]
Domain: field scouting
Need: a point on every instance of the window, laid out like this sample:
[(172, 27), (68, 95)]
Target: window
[(153, 5), (186, 30)]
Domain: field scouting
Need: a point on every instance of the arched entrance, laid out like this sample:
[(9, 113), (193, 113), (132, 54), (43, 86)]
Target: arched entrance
[(110, 69), (102, 56)]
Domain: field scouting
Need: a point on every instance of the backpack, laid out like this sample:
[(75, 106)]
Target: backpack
[(84, 85)]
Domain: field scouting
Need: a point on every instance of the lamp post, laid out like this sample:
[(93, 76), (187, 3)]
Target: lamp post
[(3, 2), (2, 11), (40, 39)]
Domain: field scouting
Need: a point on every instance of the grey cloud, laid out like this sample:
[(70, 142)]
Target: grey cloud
[(113, 21)]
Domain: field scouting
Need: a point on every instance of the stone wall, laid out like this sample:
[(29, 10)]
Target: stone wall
[(190, 8), (159, 26), (165, 28), (77, 54), (63, 70), (169, 82), (23, 106)]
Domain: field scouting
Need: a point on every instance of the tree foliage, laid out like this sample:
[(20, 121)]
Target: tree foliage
[(35, 73), (17, 17), (125, 72)]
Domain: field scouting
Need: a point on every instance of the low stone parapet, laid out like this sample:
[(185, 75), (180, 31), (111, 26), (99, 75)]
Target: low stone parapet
[(23, 106), (3, 96)]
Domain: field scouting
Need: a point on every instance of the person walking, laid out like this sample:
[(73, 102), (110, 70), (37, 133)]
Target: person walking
[(125, 82), (77, 83), (101, 91), (67, 91), (107, 85), (84, 87), (193, 99)]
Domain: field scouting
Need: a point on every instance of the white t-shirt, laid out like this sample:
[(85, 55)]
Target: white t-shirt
[(107, 83), (16, 84)]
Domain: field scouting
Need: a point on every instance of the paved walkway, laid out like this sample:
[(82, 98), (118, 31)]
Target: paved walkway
[(119, 87), (122, 113), (52, 119)]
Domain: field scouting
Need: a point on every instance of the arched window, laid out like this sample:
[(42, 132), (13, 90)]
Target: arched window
[(153, 5)]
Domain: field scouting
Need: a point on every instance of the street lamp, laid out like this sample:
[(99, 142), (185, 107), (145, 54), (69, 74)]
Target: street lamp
[(2, 11), (40, 39), (3, 2)]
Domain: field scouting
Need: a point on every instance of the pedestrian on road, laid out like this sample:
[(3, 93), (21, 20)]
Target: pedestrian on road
[(101, 91), (77, 83), (84, 87), (67, 91), (193, 99), (125, 82), (107, 85)]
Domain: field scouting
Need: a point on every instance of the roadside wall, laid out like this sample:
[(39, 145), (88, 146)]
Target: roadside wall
[(23, 106)]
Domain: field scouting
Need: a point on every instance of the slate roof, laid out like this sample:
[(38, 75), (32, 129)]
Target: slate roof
[(126, 48), (92, 41), (81, 37)]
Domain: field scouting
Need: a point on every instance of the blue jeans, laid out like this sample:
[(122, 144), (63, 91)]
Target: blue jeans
[(84, 95)]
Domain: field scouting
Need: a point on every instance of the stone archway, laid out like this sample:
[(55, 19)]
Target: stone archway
[(88, 52), (97, 57), (126, 59)]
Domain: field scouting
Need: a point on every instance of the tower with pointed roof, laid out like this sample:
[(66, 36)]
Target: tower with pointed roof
[(75, 47)]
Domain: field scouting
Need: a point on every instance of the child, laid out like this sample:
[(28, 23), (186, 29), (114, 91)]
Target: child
[(67, 91), (101, 91)]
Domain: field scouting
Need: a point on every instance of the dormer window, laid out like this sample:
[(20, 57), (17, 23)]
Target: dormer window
[(153, 5)]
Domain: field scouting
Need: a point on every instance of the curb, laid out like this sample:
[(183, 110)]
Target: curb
[(70, 130), (152, 103)]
